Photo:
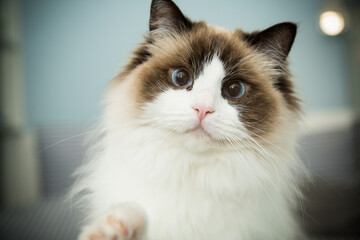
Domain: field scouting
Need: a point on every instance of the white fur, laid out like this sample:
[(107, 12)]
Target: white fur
[(190, 186)]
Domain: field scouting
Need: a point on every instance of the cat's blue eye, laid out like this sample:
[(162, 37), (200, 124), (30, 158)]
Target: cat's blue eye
[(181, 77), (233, 89)]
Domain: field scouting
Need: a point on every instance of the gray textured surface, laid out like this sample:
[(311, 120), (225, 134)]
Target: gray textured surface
[(332, 200), (332, 155), (50, 219)]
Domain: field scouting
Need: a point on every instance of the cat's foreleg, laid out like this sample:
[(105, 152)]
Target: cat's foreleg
[(126, 221)]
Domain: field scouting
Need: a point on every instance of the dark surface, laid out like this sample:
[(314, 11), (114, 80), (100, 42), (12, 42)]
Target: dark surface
[(332, 198), (50, 219), (332, 209)]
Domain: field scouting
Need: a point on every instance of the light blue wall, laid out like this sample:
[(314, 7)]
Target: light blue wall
[(72, 48)]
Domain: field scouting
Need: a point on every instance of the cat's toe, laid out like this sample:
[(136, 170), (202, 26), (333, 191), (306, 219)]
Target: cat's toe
[(112, 229), (124, 222), (118, 225)]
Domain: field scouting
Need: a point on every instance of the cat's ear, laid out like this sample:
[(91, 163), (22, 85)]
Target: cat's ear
[(166, 16), (275, 41)]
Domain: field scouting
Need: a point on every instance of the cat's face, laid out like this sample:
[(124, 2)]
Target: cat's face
[(207, 84)]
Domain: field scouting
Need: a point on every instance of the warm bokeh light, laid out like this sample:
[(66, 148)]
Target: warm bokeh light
[(332, 23)]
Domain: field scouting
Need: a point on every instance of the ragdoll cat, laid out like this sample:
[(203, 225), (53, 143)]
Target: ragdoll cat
[(199, 137)]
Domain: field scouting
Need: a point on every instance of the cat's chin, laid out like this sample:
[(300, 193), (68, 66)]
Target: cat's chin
[(197, 140), (199, 133)]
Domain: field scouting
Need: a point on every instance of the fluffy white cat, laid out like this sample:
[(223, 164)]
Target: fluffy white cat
[(199, 137)]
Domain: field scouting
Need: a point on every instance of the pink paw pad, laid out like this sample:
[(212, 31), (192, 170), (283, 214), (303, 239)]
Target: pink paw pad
[(123, 222), (117, 224)]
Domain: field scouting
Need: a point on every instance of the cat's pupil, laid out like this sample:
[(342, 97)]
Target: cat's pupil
[(181, 77), (234, 89)]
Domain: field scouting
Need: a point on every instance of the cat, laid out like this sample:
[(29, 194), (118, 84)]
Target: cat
[(199, 137)]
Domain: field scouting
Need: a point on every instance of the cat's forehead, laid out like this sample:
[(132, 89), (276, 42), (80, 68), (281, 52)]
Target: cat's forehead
[(221, 30), (196, 48)]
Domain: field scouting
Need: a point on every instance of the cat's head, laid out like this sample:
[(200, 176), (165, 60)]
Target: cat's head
[(206, 84)]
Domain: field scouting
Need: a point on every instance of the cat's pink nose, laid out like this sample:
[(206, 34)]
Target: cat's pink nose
[(202, 111)]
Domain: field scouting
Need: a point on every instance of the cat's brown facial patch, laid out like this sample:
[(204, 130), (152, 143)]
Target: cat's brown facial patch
[(257, 59), (258, 108)]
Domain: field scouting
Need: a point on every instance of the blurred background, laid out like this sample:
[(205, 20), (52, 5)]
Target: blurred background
[(56, 58)]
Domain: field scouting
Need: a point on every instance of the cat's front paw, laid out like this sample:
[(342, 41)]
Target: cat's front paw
[(124, 222)]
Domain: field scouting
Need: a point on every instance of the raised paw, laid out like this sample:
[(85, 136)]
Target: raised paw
[(124, 222)]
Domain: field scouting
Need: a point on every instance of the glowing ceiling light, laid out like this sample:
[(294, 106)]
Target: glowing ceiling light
[(332, 23)]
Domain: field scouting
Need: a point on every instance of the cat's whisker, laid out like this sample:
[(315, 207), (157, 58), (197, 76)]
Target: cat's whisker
[(271, 182), (278, 149), (89, 132), (255, 146), (249, 168), (291, 177), (235, 144), (248, 121), (69, 138)]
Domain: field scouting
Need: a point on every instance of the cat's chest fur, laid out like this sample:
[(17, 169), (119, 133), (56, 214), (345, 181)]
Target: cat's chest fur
[(215, 199)]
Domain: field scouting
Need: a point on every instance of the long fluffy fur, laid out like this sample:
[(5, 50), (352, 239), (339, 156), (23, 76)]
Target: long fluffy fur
[(242, 186)]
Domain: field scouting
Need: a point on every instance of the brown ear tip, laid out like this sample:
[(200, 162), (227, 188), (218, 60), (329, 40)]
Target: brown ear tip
[(166, 14), (292, 26), (158, 2), (289, 26)]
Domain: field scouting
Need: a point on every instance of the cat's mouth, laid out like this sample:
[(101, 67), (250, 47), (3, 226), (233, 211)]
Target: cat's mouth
[(199, 132)]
